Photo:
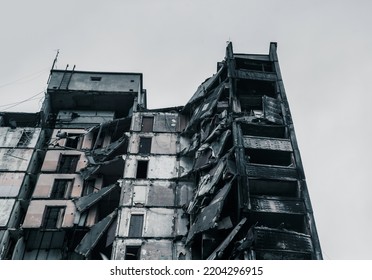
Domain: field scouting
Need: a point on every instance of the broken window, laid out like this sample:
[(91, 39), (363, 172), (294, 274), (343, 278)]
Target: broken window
[(88, 187), (72, 141), (132, 252), (142, 166), (61, 189), (144, 145), (53, 217), (147, 124), (136, 225), (25, 138), (68, 163)]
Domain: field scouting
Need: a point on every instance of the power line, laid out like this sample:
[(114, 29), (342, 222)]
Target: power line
[(25, 77), (11, 105)]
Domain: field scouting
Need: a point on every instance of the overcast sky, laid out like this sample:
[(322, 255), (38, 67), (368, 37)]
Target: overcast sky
[(324, 49)]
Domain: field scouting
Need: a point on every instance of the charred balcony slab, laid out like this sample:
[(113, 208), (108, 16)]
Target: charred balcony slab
[(271, 172), (254, 75), (267, 143), (281, 240), (277, 205)]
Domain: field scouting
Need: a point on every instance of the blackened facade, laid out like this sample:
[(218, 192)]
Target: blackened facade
[(96, 175)]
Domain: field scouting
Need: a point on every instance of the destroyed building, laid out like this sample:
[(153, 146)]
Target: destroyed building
[(97, 175)]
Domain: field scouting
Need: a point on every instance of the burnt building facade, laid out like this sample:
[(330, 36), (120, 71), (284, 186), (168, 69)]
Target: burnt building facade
[(97, 175)]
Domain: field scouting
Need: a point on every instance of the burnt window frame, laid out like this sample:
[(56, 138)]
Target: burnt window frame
[(62, 169), (53, 217), (61, 188), (136, 225)]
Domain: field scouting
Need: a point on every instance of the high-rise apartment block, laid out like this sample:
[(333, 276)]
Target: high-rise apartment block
[(97, 175)]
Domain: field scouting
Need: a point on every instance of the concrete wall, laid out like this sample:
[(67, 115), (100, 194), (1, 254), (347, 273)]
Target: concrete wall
[(52, 158), (10, 184), (9, 137), (15, 159), (35, 213), (110, 82), (161, 144), (159, 167)]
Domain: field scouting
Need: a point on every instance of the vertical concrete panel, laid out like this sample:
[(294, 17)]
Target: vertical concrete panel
[(35, 213), (10, 184), (157, 250), (162, 167), (159, 222), (6, 208)]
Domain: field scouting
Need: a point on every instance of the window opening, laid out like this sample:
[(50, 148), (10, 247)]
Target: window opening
[(136, 225), (142, 166), (25, 138), (147, 124), (68, 163), (132, 252), (269, 157), (53, 217), (72, 140), (88, 186), (61, 189), (95, 79), (145, 145)]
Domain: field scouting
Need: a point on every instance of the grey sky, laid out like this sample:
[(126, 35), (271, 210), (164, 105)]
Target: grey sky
[(324, 48)]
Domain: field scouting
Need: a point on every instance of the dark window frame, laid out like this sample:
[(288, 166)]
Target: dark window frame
[(136, 225), (68, 163), (61, 188), (53, 217), (145, 144), (142, 169), (147, 124), (132, 252)]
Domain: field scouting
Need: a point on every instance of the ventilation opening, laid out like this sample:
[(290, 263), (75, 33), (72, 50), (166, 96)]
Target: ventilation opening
[(95, 79)]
